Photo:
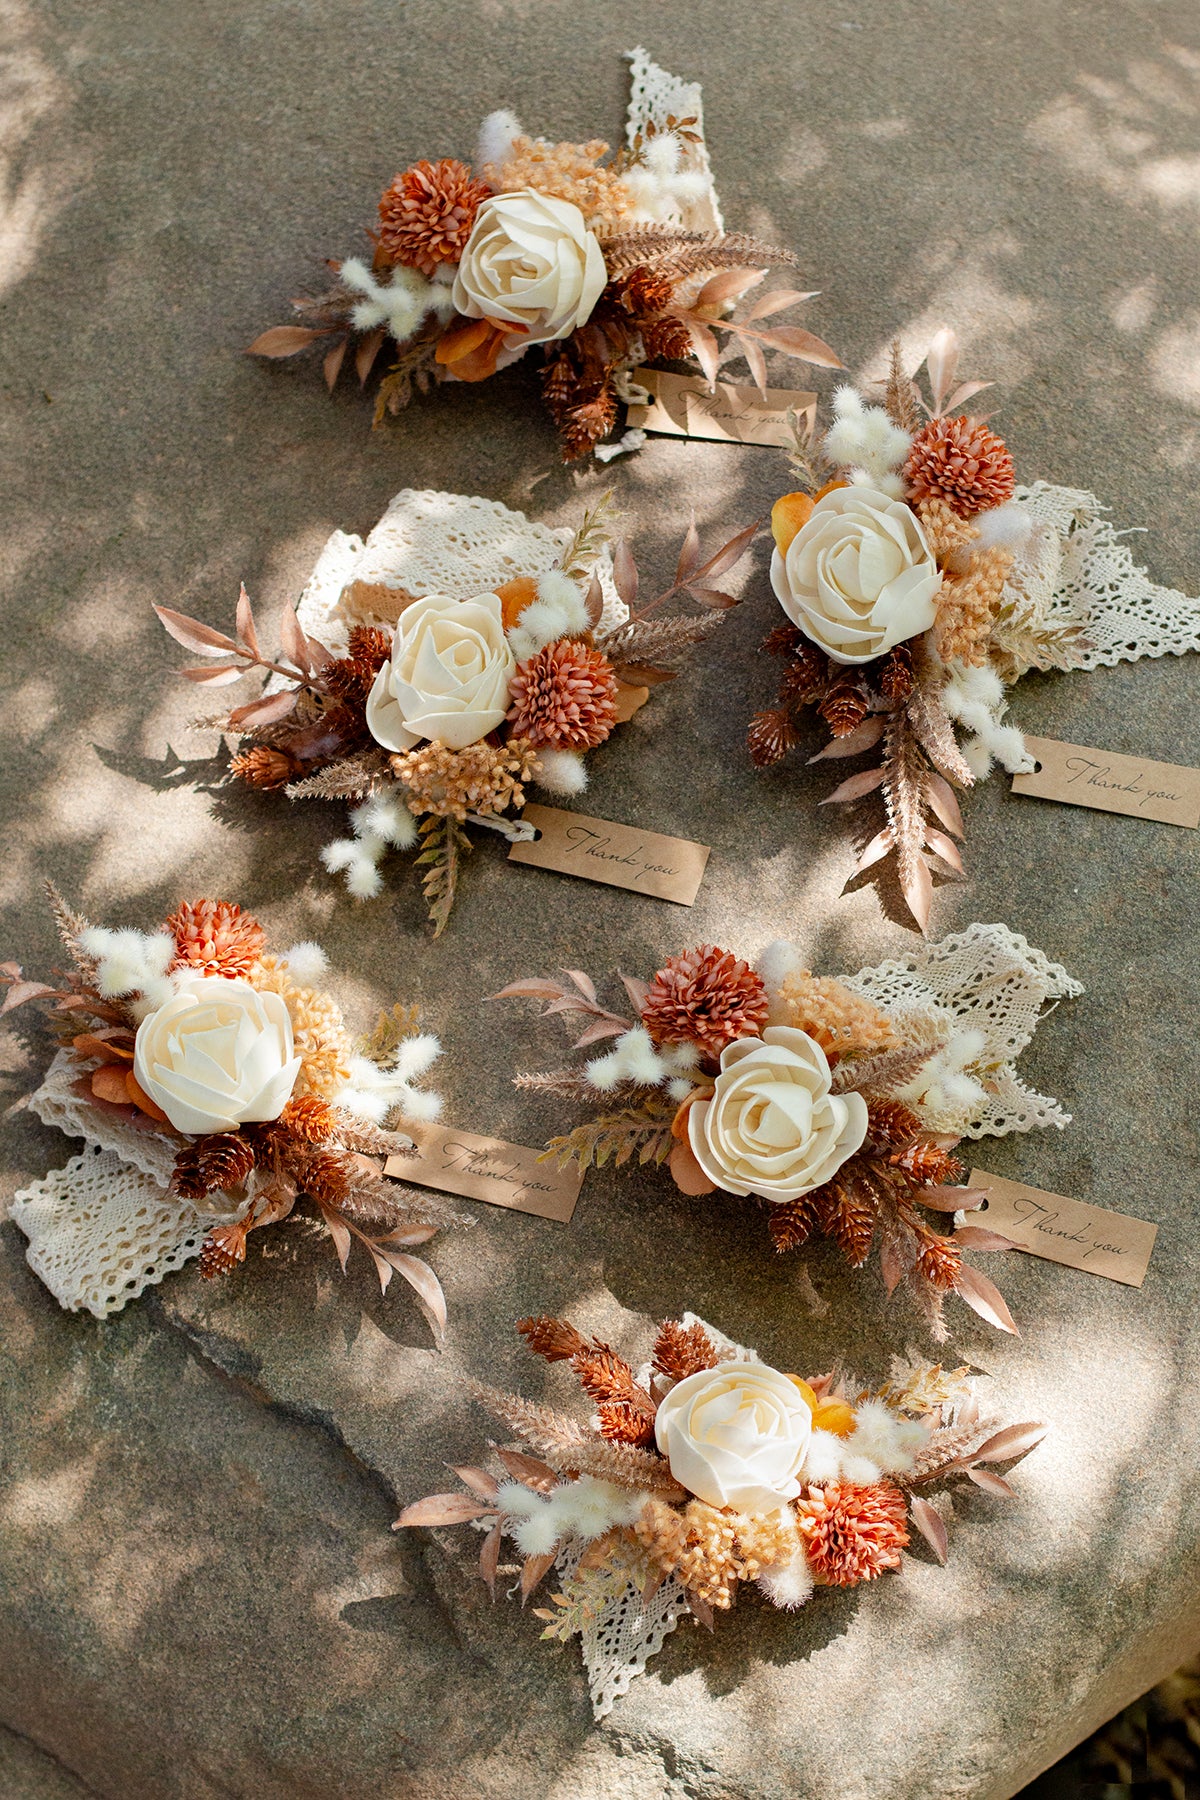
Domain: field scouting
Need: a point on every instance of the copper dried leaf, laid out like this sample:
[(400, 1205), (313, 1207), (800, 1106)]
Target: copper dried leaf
[(992, 1484), (775, 302), (705, 349), (625, 573), (637, 991), (285, 340), (365, 353), (295, 644), (985, 1297), (689, 555), (945, 847), (245, 622), (713, 597), (757, 364), (890, 1265), (338, 1231), (529, 1470), (964, 393), (702, 1610), (425, 1285), (22, 991), (795, 341), (533, 1569), (219, 675), (1011, 1442), (443, 1509), (534, 987), (264, 711), (917, 885), (863, 737), (489, 1558), (594, 602), (331, 368), (730, 553), (603, 1028), (726, 285), (854, 787), (929, 1523), (195, 635), (643, 674), (876, 850), (944, 802), (978, 1237), (952, 1199), (941, 361), (478, 1480)]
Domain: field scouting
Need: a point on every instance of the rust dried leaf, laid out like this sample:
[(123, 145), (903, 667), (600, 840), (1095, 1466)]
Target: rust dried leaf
[(985, 1298), (928, 1522), (195, 635), (443, 1509), (854, 787), (285, 340), (265, 711)]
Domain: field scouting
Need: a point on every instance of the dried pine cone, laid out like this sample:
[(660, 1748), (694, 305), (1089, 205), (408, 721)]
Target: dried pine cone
[(327, 1177), (683, 1350), (223, 1249), (890, 1124), (351, 677), (585, 425), (263, 768), (785, 640), (215, 937), (844, 707), (896, 675), (426, 215), (666, 339), (564, 697), (793, 1222), (852, 1533), (961, 462), (216, 1162), (310, 1119), (706, 997), (806, 676), (769, 737), (850, 1212)]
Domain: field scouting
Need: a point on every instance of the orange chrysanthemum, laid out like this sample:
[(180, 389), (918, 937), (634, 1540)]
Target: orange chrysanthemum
[(961, 462), (426, 215), (564, 697), (706, 997), (215, 937), (852, 1533)]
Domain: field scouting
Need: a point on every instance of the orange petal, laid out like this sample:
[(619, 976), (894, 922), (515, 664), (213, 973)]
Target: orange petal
[(835, 1416), (806, 1393), (470, 351), (142, 1099), (514, 597), (679, 1128), (788, 514), (461, 341), (108, 1083), (689, 1177), (828, 489), (630, 699)]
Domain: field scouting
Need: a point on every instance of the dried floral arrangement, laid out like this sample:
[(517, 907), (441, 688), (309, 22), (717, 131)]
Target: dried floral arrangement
[(920, 582), (706, 1469), (838, 1104), (600, 262), (218, 1091), (451, 676)]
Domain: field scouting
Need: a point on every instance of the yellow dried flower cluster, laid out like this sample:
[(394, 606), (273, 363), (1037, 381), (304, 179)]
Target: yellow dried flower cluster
[(922, 1393), (483, 778), (945, 532), (322, 1041), (711, 1550), (568, 172), (839, 1020), (967, 607)]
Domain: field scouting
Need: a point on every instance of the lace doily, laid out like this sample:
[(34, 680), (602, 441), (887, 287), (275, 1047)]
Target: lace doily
[(431, 543), (653, 95), (1093, 582), (105, 1226), (988, 979)]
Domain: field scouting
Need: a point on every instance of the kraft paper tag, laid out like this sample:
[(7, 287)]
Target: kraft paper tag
[(668, 868), (1066, 1231), (731, 414), (1112, 783), (487, 1168)]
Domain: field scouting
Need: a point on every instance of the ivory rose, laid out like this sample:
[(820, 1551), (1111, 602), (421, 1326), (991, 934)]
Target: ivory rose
[(736, 1435), (530, 262), (858, 577), (772, 1127), (217, 1055), (448, 677)]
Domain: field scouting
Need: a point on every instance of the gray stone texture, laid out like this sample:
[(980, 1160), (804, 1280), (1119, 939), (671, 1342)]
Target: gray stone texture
[(200, 1598)]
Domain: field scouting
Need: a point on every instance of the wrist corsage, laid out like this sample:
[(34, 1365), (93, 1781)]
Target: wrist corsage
[(218, 1090), (705, 1470), (920, 583), (835, 1104), (598, 263), (434, 673)]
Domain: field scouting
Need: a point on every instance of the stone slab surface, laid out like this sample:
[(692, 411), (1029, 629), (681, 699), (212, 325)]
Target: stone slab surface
[(198, 1593)]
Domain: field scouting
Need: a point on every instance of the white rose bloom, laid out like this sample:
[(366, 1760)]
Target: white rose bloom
[(219, 1054), (448, 677), (858, 577), (530, 261), (736, 1436), (772, 1127)]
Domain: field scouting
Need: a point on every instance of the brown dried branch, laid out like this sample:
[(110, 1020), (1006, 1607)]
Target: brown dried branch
[(682, 254), (550, 1433), (900, 397), (624, 1464), (653, 639), (352, 778), (882, 1075)]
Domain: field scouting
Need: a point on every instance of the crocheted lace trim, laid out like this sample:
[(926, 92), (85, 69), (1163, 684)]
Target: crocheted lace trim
[(986, 979), (653, 96), (1079, 572), (105, 1226), (431, 543)]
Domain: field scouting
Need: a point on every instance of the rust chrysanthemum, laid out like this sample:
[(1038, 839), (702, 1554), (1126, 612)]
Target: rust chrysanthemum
[(706, 997), (564, 697), (215, 937), (961, 462), (852, 1533), (426, 215)]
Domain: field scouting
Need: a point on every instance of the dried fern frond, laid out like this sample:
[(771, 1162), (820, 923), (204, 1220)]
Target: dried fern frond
[(900, 395), (650, 640), (415, 366), (549, 1432), (624, 1464), (880, 1076), (71, 926), (445, 842), (391, 1029), (679, 254), (351, 778), (616, 1135), (593, 532), (934, 731), (904, 799)]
